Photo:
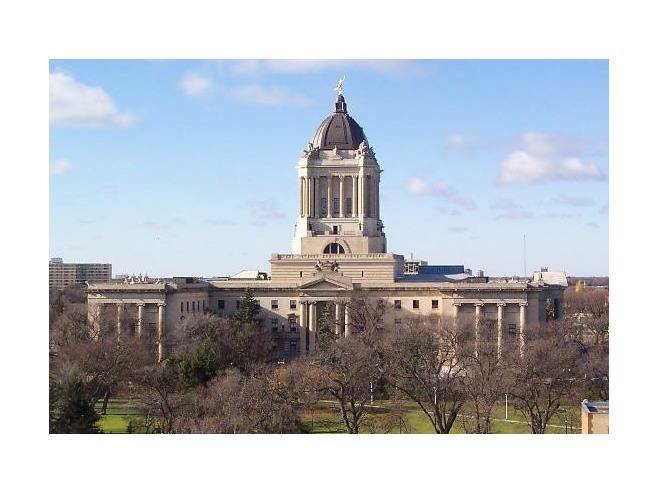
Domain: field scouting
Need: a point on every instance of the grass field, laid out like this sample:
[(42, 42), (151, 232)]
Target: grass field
[(383, 417)]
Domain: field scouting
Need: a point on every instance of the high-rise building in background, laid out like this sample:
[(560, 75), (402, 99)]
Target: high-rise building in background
[(63, 275)]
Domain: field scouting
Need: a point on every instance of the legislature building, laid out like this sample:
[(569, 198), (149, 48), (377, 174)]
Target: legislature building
[(338, 257)]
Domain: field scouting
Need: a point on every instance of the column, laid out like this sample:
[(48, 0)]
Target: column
[(348, 321), (337, 320), (522, 315), (362, 197), (501, 317), (316, 197), (478, 316), (329, 207), (140, 319), (303, 325), (307, 194), (355, 196), (161, 331), (341, 197), (119, 318), (455, 312), (301, 197), (312, 325)]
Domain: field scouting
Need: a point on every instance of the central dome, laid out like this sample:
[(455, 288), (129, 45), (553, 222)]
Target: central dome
[(339, 130)]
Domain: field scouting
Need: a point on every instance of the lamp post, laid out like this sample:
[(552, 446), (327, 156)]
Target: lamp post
[(505, 406)]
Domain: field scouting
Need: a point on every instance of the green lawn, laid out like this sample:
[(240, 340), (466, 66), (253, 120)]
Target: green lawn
[(383, 417)]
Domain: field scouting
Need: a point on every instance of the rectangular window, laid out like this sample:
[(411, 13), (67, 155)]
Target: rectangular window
[(348, 206), (293, 304), (181, 306), (292, 322), (435, 304), (323, 207), (204, 304), (237, 304), (275, 304), (187, 306), (293, 347), (275, 325), (416, 303), (397, 304), (220, 304), (511, 328), (334, 230), (398, 323), (336, 206)]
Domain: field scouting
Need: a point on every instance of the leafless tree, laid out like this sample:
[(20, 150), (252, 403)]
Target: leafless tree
[(425, 366)]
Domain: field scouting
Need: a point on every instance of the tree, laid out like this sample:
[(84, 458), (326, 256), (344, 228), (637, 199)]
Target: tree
[(248, 309), (425, 367), (72, 407), (546, 376), (196, 366), (347, 371)]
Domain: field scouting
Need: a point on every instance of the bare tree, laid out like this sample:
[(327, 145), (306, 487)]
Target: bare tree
[(426, 367)]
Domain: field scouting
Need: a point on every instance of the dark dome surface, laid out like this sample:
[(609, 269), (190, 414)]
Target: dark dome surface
[(339, 130)]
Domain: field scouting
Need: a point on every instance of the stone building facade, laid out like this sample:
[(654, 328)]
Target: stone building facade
[(338, 255)]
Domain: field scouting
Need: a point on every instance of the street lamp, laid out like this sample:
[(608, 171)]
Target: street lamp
[(505, 406)]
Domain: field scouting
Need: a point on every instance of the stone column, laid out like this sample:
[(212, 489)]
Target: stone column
[(119, 318), (355, 196), (161, 331), (301, 197), (348, 321), (329, 207), (140, 319), (362, 198), (341, 197), (337, 320), (522, 315), (312, 326), (303, 325), (455, 312), (501, 318), (478, 316)]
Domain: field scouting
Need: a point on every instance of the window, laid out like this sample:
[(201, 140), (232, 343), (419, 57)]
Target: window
[(187, 306), (334, 229), (204, 304), (181, 306), (435, 304), (334, 249), (348, 206), (293, 304), (398, 323), (511, 328), (323, 207), (397, 304), (275, 304), (237, 304), (275, 325), (292, 322), (300, 274), (416, 303), (293, 347), (220, 304), (336, 206)]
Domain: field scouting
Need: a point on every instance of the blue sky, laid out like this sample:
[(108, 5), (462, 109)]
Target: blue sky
[(187, 167)]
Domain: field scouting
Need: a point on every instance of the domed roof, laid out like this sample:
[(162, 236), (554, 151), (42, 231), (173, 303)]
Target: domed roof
[(339, 130)]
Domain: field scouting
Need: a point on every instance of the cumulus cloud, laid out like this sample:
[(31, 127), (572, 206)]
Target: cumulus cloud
[(509, 209), (523, 168), (267, 96), (419, 187), (195, 85), (59, 166), (76, 104)]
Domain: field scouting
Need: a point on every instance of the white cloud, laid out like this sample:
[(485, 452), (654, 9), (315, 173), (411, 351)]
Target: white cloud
[(195, 85), (264, 209), (419, 187), (543, 145), (272, 96), (77, 104), (459, 142), (59, 166), (574, 201), (523, 168), (511, 210)]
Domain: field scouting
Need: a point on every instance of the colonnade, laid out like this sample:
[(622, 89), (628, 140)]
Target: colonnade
[(160, 333), (309, 319), (364, 194), (500, 321)]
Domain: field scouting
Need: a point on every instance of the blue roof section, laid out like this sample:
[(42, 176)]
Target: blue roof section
[(434, 277)]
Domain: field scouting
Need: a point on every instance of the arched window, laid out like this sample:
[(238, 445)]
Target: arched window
[(334, 249)]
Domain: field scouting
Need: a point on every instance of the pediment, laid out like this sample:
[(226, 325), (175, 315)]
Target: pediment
[(327, 283)]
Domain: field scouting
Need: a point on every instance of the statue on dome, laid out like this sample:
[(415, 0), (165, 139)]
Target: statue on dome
[(339, 87)]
